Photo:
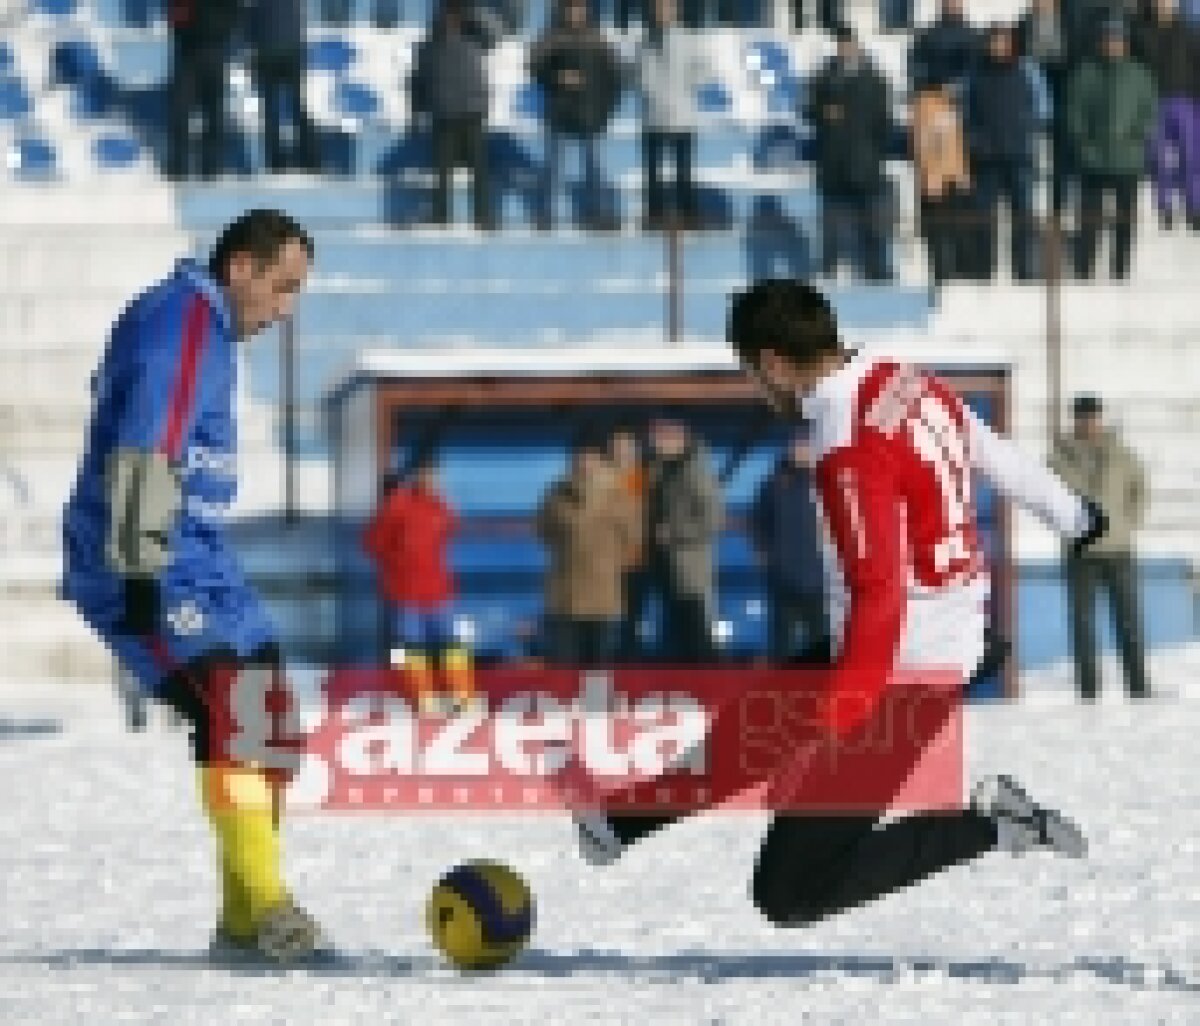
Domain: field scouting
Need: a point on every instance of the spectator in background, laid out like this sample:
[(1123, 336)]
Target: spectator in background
[(684, 510), (670, 69), (1098, 465), (278, 31), (943, 181), (896, 15), (201, 37), (786, 531), (590, 527), (1002, 130), (1170, 48), (1111, 107), (1053, 34), (408, 541), (945, 52), (581, 77), (824, 14), (449, 86), (624, 450), (849, 108)]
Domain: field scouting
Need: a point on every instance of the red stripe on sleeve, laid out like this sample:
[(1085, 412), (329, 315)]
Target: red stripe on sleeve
[(183, 394)]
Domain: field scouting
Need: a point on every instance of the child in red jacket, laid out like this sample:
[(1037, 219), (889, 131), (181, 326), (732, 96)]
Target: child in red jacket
[(408, 540)]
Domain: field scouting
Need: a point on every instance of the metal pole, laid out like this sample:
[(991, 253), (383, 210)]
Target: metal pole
[(674, 281), (287, 345), (1054, 331)]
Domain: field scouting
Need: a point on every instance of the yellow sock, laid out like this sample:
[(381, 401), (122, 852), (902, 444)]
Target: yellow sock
[(458, 670), (415, 663), (239, 802)]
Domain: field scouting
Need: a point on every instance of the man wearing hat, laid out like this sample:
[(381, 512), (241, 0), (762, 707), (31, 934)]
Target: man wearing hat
[(1095, 463), (1111, 109)]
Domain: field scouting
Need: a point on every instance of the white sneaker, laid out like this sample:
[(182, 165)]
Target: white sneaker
[(1022, 824), (598, 843)]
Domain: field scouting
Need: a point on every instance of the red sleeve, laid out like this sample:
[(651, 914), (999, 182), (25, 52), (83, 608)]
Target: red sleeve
[(378, 536), (863, 508)]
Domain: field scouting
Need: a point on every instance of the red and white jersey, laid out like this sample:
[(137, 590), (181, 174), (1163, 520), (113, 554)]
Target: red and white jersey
[(896, 453)]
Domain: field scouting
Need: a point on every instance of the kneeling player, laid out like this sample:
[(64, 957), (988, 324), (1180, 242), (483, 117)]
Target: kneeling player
[(146, 561), (896, 451)]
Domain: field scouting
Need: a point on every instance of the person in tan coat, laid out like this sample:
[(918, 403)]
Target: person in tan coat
[(943, 179), (591, 528), (1095, 463)]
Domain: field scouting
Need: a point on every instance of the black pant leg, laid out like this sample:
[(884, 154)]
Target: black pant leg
[(1091, 212), (475, 146), (1125, 190), (653, 146), (1121, 583), (182, 99), (811, 867), (211, 96), (1081, 597), (443, 165), (685, 183)]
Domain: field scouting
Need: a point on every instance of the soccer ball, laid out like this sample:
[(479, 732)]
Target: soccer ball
[(480, 915)]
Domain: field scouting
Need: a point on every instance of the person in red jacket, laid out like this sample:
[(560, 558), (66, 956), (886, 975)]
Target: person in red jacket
[(408, 540)]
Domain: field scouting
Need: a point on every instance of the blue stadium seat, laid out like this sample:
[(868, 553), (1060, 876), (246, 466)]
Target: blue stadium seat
[(114, 151), (714, 98), (55, 8), (529, 102), (7, 58), (770, 57), (332, 54), (34, 158), (15, 102), (355, 100), (74, 61)]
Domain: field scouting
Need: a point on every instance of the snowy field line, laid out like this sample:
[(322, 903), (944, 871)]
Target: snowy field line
[(108, 895)]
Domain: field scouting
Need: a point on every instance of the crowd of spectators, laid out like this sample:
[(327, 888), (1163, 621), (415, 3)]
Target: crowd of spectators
[(1078, 99)]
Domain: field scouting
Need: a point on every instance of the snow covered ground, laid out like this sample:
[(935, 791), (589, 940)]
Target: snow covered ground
[(108, 895)]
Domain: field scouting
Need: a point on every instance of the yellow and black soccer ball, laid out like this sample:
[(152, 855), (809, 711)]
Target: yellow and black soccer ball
[(480, 915)]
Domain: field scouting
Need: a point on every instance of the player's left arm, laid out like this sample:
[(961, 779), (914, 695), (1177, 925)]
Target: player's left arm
[(864, 510), (1026, 481)]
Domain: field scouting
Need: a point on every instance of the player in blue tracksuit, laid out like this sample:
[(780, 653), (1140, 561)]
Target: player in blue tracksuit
[(146, 560)]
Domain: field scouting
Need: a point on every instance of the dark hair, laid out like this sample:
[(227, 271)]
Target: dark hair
[(261, 233), (787, 316)]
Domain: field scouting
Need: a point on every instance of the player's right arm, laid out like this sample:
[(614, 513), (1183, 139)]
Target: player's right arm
[(152, 422)]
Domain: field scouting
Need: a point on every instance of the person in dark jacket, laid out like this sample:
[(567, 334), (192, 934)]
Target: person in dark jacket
[(581, 77), (1111, 106), (684, 514), (1002, 128), (449, 86), (943, 53), (850, 110), (1170, 48), (1054, 35), (785, 528), (278, 31), (201, 37)]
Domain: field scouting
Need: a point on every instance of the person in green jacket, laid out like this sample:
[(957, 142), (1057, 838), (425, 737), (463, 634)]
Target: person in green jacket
[(1111, 107)]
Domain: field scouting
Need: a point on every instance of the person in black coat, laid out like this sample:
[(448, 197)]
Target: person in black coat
[(201, 37), (581, 78), (849, 108), (449, 86), (785, 529), (278, 35), (1002, 130), (945, 52)]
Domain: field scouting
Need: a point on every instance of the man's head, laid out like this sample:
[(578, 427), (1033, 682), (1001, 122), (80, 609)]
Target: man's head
[(1088, 412), (575, 14), (952, 10), (1166, 9), (1114, 40), (1002, 44), (668, 437), (666, 12), (785, 335), (589, 454), (623, 446), (425, 471), (848, 50), (262, 260)]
